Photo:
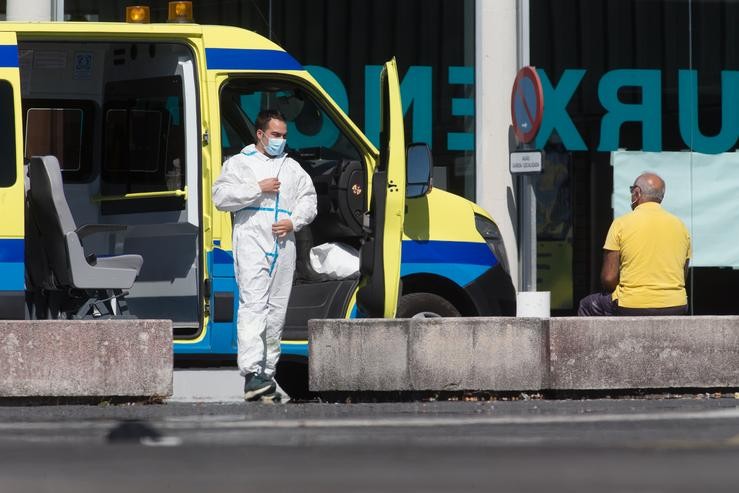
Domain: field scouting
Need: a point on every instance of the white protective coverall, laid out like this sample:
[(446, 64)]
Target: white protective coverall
[(263, 263)]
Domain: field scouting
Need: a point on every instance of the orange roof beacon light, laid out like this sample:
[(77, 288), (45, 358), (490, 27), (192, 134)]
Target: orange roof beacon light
[(138, 14), (180, 11)]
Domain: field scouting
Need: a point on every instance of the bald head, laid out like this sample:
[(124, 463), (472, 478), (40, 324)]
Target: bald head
[(651, 188)]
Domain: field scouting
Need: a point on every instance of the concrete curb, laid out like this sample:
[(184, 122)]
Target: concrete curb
[(516, 354), (95, 358), (644, 352)]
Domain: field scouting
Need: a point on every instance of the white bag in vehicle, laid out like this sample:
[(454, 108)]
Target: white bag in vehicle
[(335, 260)]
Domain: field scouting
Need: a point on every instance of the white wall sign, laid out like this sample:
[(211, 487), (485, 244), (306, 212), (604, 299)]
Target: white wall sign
[(525, 162), (701, 189)]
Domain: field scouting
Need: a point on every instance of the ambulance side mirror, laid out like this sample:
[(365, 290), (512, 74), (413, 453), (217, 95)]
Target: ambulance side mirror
[(418, 170)]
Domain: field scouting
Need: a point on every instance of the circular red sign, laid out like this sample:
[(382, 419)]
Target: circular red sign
[(527, 104)]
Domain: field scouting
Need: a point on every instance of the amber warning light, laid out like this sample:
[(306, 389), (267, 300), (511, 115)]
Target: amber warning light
[(138, 14), (180, 12)]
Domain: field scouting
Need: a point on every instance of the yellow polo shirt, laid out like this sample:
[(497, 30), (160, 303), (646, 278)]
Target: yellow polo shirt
[(653, 245)]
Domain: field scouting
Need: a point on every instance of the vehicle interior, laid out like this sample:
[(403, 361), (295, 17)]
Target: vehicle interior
[(121, 121), (335, 165)]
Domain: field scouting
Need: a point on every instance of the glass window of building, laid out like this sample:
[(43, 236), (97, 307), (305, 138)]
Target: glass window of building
[(637, 85)]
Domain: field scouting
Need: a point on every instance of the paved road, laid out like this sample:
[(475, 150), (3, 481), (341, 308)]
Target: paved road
[(676, 445)]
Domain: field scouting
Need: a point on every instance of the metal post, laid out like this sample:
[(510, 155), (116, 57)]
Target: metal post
[(270, 20), (57, 10), (34, 10), (28, 10), (527, 214), (528, 234)]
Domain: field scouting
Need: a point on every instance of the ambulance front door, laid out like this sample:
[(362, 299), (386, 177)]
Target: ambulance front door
[(379, 289)]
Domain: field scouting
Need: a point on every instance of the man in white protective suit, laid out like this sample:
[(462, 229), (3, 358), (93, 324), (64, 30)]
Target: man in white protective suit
[(271, 198)]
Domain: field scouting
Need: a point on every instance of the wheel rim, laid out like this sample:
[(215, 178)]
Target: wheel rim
[(426, 315)]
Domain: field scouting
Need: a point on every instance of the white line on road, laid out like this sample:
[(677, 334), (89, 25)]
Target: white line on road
[(242, 422)]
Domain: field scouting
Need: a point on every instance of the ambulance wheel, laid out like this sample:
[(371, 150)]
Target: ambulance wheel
[(425, 305)]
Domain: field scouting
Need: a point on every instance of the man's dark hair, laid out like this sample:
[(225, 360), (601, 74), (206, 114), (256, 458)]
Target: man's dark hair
[(265, 116)]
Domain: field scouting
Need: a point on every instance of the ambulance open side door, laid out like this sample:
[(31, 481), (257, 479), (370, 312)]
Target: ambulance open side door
[(12, 263), (380, 254)]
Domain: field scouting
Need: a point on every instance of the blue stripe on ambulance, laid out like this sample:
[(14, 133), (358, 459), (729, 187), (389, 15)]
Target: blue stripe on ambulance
[(221, 336), (8, 56), (243, 59), (12, 264), (460, 261)]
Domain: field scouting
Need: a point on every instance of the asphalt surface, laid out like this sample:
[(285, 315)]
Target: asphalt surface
[(620, 445)]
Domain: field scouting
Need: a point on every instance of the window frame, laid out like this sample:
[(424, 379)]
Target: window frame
[(89, 112), (140, 179), (8, 158)]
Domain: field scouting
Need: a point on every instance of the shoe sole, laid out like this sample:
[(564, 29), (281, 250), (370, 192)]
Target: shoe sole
[(273, 398), (256, 394)]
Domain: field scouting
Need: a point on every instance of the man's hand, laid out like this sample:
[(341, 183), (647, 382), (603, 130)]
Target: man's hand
[(270, 185), (282, 227)]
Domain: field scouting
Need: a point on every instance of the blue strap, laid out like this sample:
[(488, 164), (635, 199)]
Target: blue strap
[(277, 205), (277, 211), (274, 256), (267, 209)]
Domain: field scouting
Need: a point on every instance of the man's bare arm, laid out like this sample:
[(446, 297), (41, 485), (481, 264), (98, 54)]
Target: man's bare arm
[(609, 274), (685, 279)]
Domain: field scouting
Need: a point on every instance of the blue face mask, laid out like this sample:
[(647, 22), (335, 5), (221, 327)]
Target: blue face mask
[(275, 146)]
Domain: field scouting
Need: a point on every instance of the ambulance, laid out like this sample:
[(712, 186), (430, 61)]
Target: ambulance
[(112, 135)]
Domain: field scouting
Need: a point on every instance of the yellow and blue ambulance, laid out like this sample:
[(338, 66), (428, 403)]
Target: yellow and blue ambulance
[(112, 135)]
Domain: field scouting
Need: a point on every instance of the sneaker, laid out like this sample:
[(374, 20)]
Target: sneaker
[(257, 385)]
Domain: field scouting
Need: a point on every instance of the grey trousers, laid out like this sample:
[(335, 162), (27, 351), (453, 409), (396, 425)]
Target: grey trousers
[(601, 305), (597, 305)]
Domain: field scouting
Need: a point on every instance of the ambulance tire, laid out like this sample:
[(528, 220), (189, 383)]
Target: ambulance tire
[(425, 305)]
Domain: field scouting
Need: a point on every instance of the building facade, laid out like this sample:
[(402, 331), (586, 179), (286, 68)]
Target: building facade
[(629, 85), (637, 85)]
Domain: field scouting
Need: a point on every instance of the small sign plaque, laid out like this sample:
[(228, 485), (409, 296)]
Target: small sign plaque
[(525, 162)]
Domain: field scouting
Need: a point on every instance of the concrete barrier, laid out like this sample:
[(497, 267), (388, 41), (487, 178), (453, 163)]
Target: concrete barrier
[(644, 352), (427, 354), (503, 354), (64, 358)]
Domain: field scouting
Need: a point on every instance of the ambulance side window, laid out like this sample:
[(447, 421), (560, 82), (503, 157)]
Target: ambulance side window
[(7, 135), (59, 128), (312, 133), (315, 139), (143, 141)]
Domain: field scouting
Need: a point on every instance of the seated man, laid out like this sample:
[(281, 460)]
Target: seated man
[(645, 259)]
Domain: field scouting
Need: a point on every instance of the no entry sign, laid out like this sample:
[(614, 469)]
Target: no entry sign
[(527, 104)]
